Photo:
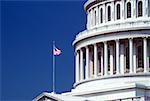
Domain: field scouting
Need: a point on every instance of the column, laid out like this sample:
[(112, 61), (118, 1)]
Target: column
[(87, 63), (133, 8), (131, 55), (122, 10), (134, 58), (117, 57), (111, 60), (145, 54), (145, 8), (122, 59), (104, 13), (77, 67), (91, 63), (102, 66), (92, 18), (95, 61), (81, 65), (105, 59), (113, 11), (97, 20), (99, 15)]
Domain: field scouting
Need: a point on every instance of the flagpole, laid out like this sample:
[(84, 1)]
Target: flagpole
[(53, 67)]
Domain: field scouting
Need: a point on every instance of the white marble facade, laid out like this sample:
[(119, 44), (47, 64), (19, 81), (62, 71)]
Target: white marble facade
[(119, 50), (112, 56), (113, 53)]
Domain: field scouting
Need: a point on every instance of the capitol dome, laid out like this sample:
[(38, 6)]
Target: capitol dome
[(113, 53)]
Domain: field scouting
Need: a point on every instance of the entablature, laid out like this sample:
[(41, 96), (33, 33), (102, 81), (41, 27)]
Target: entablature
[(122, 26)]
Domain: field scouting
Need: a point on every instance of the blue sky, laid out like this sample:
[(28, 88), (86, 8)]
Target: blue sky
[(27, 31)]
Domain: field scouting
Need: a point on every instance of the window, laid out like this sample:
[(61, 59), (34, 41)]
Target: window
[(89, 20), (118, 11), (101, 15), (128, 10), (109, 13), (140, 7), (95, 18)]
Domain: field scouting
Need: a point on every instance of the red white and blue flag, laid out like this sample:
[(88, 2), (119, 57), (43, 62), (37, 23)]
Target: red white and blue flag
[(56, 51)]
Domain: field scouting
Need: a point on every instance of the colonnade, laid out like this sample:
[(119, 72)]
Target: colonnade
[(113, 57)]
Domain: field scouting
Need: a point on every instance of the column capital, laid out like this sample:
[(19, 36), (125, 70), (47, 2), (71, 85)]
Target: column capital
[(105, 42), (81, 49), (88, 11), (76, 51), (145, 37), (130, 38), (117, 40), (95, 44), (86, 46)]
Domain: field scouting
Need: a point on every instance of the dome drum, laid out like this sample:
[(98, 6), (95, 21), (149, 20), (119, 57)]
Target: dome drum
[(103, 12), (113, 53), (102, 56), (106, 62)]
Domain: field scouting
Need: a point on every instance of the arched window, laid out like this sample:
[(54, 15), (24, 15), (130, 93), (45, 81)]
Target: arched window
[(95, 18), (101, 15), (128, 10), (109, 13), (140, 8), (118, 11)]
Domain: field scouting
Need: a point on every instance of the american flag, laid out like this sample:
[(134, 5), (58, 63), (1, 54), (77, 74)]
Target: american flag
[(56, 51)]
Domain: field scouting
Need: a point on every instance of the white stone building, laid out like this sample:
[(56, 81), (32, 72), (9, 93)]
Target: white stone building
[(112, 54)]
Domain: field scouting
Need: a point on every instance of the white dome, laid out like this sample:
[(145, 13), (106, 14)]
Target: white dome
[(113, 53)]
